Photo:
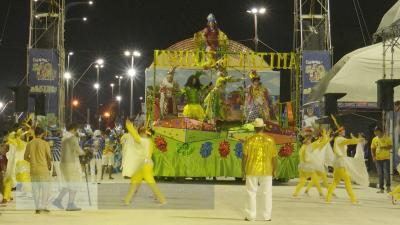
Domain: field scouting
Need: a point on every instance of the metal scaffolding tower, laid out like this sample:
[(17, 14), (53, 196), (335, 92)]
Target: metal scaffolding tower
[(46, 31), (312, 32)]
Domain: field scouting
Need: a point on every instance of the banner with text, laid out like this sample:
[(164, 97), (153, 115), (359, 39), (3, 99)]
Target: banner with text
[(315, 65), (43, 76)]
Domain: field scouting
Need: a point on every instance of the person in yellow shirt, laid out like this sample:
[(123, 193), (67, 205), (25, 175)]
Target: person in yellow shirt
[(380, 149), (144, 169), (258, 167)]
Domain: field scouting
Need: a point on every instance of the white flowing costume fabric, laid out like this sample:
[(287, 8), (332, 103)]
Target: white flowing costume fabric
[(320, 159), (11, 164), (133, 154), (355, 166)]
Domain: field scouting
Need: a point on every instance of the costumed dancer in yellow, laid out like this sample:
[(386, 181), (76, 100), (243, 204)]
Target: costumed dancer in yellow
[(340, 163), (395, 194), (22, 169), (193, 92), (306, 168), (144, 171), (322, 157), (9, 176)]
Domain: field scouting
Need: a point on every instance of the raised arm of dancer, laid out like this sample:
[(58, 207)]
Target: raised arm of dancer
[(132, 130), (350, 141)]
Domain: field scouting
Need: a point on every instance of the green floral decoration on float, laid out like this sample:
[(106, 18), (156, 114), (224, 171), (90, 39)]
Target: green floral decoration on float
[(185, 149)]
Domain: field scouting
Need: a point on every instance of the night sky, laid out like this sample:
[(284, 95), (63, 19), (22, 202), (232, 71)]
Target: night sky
[(115, 25)]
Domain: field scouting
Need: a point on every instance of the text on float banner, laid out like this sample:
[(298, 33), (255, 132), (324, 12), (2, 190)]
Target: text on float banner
[(251, 60)]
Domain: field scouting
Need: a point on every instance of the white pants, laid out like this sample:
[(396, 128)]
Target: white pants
[(56, 166), (266, 196), (40, 191), (95, 163), (108, 159)]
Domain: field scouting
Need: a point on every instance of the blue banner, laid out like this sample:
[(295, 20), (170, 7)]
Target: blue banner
[(43, 76), (315, 65)]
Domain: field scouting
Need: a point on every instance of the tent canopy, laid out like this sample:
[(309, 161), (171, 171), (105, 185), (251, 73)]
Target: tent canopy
[(391, 18), (356, 74)]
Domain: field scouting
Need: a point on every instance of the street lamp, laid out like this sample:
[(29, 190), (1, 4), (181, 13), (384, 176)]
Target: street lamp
[(75, 103), (67, 77), (119, 78), (84, 19), (1, 105), (256, 12), (90, 2), (112, 90), (68, 56), (131, 73), (119, 98)]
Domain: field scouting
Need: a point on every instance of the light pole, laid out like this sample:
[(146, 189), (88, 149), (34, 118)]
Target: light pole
[(119, 99), (256, 12), (119, 78), (68, 56), (67, 77), (131, 74), (97, 87), (112, 90), (99, 65), (83, 19)]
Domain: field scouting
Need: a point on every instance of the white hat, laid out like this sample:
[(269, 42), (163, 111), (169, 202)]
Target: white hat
[(97, 133), (258, 122)]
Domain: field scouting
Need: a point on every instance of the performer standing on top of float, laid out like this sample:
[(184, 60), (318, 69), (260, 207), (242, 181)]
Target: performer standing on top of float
[(212, 40), (256, 102), (214, 102), (168, 91), (193, 92), (340, 163)]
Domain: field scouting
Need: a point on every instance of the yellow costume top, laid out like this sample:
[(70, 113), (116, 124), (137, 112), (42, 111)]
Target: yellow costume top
[(379, 144), (258, 152)]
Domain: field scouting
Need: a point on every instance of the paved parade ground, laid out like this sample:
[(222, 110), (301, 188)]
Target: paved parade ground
[(220, 204)]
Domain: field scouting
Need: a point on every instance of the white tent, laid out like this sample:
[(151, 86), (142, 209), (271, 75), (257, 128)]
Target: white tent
[(391, 18), (357, 72)]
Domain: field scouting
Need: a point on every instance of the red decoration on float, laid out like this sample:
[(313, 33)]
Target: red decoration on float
[(224, 149), (161, 143), (286, 150)]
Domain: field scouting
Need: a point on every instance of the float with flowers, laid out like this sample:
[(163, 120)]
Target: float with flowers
[(202, 95)]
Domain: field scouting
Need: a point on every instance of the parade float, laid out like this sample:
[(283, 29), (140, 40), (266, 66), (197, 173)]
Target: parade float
[(201, 101)]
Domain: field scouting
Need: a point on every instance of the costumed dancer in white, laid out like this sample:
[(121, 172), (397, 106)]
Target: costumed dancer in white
[(71, 168), (346, 168)]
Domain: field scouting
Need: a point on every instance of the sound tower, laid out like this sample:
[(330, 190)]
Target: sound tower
[(21, 94), (285, 90), (386, 92), (331, 106)]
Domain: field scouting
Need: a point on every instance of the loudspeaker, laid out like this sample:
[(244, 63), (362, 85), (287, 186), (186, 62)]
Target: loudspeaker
[(386, 92), (331, 106), (40, 104), (285, 90), (21, 94)]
